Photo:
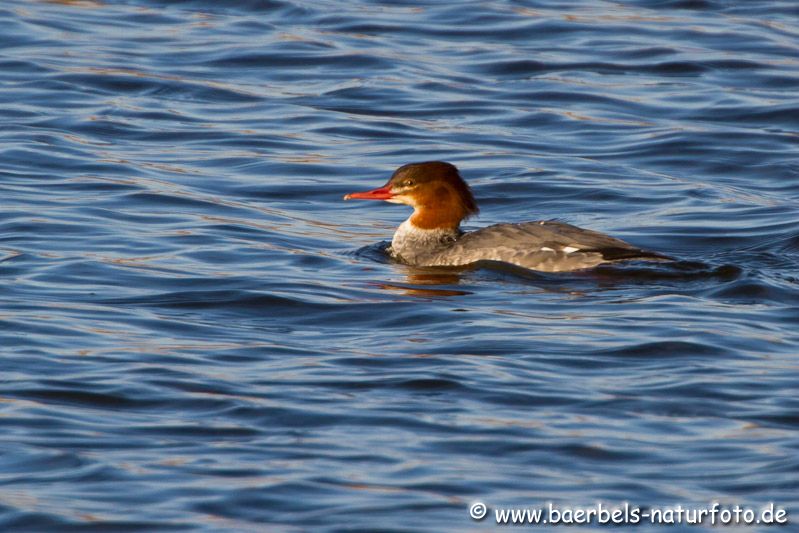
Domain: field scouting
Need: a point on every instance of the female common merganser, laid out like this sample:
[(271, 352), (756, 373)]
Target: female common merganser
[(441, 200)]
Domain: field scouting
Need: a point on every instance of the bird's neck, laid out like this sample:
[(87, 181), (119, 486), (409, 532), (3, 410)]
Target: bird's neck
[(410, 240), (438, 216)]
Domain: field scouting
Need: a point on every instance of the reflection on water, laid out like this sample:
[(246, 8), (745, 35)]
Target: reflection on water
[(424, 282)]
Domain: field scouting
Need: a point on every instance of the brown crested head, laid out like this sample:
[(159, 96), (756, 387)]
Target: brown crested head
[(435, 189)]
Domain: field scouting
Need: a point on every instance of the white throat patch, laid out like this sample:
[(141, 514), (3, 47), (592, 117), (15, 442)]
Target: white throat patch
[(410, 241)]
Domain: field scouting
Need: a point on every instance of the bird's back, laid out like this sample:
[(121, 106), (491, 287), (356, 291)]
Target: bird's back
[(548, 246)]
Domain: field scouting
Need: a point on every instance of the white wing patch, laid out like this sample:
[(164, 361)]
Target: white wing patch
[(566, 249)]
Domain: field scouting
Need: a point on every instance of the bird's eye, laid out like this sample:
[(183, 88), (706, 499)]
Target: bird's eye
[(407, 183)]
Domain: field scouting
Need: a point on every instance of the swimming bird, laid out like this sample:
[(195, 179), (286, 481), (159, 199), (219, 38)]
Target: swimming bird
[(441, 200)]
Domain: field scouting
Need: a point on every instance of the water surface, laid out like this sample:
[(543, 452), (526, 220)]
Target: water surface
[(196, 333)]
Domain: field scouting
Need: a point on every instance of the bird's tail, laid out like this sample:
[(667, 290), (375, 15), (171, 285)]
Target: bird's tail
[(620, 254)]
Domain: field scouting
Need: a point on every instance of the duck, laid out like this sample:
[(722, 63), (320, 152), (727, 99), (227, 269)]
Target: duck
[(441, 200)]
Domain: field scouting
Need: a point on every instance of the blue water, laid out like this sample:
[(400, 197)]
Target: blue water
[(197, 334)]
